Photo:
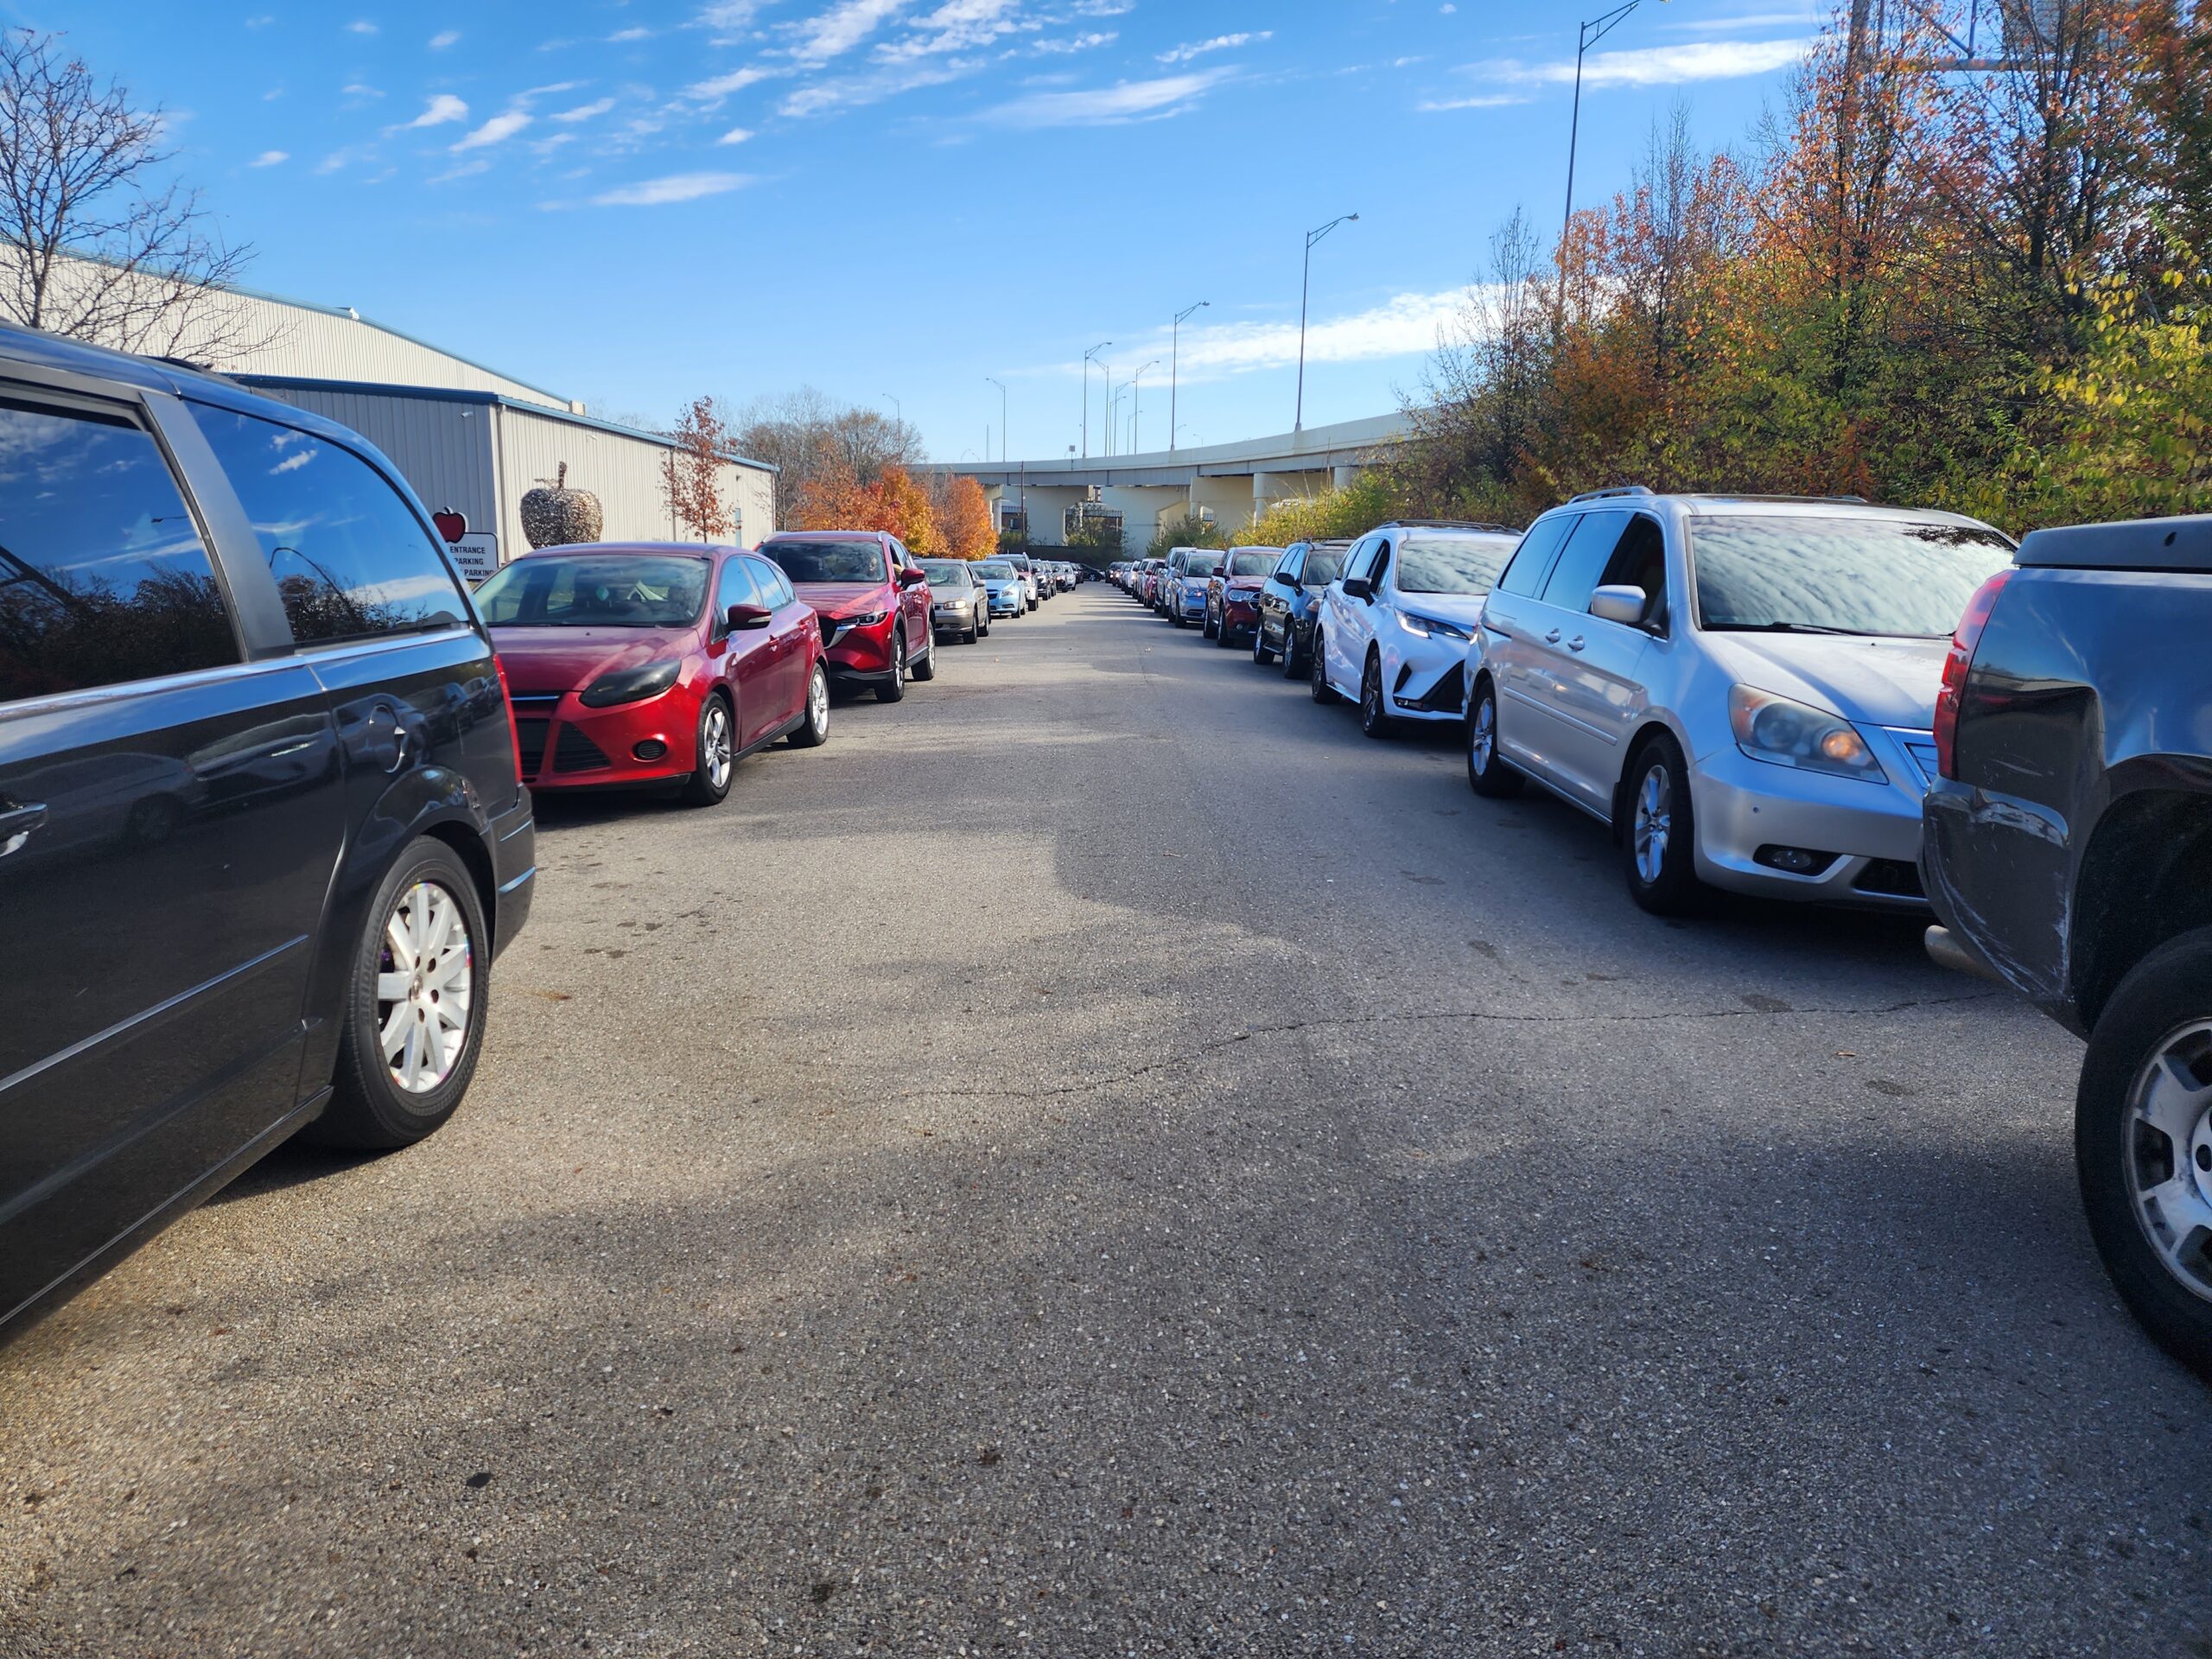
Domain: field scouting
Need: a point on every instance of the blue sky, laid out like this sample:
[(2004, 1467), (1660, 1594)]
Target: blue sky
[(636, 202)]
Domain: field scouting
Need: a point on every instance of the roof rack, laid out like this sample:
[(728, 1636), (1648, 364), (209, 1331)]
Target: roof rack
[(1453, 523), (1757, 495), (1618, 489)]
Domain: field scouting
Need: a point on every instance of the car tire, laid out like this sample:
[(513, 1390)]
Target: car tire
[(427, 896), (714, 755), (1260, 654), (927, 669), (2156, 1028), (1222, 636), (1658, 831), (1489, 774), (1211, 627), (814, 724), (1294, 667), (1317, 675), (895, 689), (1374, 712), (975, 631)]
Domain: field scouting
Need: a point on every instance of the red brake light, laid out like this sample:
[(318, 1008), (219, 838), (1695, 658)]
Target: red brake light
[(1963, 642), (514, 732)]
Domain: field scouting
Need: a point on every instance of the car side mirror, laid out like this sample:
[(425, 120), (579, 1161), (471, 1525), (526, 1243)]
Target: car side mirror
[(744, 618), (910, 578), (1358, 587), (1619, 602)]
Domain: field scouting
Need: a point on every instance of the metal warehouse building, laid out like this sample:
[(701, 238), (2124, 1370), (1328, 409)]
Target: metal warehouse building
[(471, 440)]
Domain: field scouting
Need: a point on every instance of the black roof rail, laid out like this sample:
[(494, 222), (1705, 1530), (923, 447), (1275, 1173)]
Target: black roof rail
[(206, 370), (1618, 489), (1449, 524), (1757, 495)]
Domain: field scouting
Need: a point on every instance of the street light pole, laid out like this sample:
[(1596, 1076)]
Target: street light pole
[(1136, 404), (1591, 33), (1304, 283), (898, 409), (1174, 362), (1087, 356), (1001, 385)]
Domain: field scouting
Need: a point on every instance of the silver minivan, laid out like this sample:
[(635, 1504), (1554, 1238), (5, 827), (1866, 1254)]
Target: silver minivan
[(1744, 688)]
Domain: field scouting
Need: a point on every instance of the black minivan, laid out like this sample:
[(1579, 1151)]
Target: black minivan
[(261, 826)]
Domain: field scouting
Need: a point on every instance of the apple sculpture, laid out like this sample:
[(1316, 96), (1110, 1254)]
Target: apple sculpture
[(553, 515)]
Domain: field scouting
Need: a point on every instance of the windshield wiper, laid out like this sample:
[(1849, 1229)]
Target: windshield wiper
[(1786, 627)]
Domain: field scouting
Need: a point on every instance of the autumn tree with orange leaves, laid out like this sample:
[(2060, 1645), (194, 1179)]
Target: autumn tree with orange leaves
[(965, 519), (834, 497)]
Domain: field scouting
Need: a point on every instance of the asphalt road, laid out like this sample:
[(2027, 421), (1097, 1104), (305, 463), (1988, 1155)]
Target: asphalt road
[(1103, 1159)]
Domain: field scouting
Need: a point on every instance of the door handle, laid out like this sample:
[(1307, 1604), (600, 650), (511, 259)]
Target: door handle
[(1575, 644), (16, 824), (1552, 638)]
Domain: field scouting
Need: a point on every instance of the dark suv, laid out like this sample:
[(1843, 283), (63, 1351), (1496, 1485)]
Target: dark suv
[(2068, 850), (261, 830)]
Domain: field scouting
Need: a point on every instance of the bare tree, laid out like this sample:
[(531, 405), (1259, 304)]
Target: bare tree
[(96, 242)]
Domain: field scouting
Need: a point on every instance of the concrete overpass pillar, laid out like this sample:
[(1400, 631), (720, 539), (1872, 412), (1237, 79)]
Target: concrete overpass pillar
[(1340, 478)]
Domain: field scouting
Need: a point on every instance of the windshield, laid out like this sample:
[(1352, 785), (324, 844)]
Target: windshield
[(994, 570), (950, 573), (1323, 566), (829, 561), (1255, 561), (1019, 561), (1202, 564), (606, 590), (1836, 574), (1452, 564)]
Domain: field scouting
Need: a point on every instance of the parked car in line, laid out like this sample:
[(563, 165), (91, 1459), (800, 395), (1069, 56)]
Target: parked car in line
[(1002, 584), (1027, 569), (1171, 573), (1184, 593), (873, 600), (1147, 582), (1393, 631), (262, 832), (1290, 599), (1742, 688), (2068, 853), (653, 664), (959, 608), (1233, 593)]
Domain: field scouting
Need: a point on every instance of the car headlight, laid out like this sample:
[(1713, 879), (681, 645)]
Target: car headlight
[(1431, 626), (865, 619), (1784, 733), (630, 684)]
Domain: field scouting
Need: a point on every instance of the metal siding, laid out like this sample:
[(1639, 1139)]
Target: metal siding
[(624, 472), (443, 450)]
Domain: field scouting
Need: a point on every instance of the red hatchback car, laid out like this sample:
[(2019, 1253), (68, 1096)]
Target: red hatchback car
[(1233, 594), (873, 601), (653, 664)]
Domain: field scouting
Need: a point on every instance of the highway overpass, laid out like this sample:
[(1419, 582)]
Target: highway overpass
[(1226, 482)]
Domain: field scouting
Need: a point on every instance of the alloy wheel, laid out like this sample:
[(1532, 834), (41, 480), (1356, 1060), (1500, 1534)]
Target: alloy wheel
[(817, 702), (1482, 741), (1655, 803), (425, 976), (715, 749), (2168, 1153)]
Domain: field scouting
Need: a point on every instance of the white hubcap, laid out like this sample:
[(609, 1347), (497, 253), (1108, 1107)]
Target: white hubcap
[(817, 702), (2170, 1153), (424, 976), (716, 743), (1485, 734), (1654, 819)]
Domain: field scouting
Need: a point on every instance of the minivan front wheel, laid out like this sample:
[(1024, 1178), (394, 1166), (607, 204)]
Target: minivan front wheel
[(1488, 774), (415, 1003), (1659, 838), (2143, 1144)]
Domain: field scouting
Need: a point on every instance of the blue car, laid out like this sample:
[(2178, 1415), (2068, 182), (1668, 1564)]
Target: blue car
[(1287, 602)]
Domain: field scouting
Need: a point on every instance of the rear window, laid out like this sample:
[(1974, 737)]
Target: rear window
[(1255, 561), (830, 561), (1834, 573), (1430, 562)]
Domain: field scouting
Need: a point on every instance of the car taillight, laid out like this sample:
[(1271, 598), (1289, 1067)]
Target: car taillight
[(514, 732), (1955, 668)]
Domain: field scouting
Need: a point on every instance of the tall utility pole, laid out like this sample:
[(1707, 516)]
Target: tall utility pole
[(987, 454), (1304, 283), (1174, 361), (898, 409), (1136, 404), (1592, 32), (1087, 358)]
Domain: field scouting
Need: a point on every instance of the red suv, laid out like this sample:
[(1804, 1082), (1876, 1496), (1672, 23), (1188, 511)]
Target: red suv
[(653, 664), (873, 601)]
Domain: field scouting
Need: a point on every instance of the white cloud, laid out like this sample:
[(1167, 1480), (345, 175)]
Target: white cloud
[(585, 111), (1656, 65), (461, 170), (623, 36), (360, 89), (497, 130), (1127, 100), (1075, 43), (735, 81), (851, 92), (728, 14), (679, 186), (361, 26), (833, 33), (442, 108), (270, 158), (1406, 325), (735, 136), (444, 38), (958, 25), (1480, 101), (1218, 43)]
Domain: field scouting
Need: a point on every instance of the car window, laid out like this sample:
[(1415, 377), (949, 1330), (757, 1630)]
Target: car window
[(1382, 570), (945, 573), (350, 559), (1639, 560), (1203, 565), (852, 561), (774, 586), (103, 576), (1357, 561), (1323, 566), (1575, 573), (1839, 573), (737, 586), (1252, 562), (595, 590), (1532, 560), (1293, 562), (1450, 562)]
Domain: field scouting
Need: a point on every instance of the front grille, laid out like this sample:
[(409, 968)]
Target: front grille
[(829, 628), (536, 703), (531, 734), (1891, 877), (1447, 695), (576, 752)]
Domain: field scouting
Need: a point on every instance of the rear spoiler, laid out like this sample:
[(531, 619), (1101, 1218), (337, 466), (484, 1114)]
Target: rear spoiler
[(2182, 545)]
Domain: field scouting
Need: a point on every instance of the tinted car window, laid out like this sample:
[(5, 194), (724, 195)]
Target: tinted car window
[(855, 560), (103, 577), (1526, 574), (775, 587), (350, 557), (1574, 574), (1429, 562), (1639, 560), (1838, 573), (1323, 566), (737, 586)]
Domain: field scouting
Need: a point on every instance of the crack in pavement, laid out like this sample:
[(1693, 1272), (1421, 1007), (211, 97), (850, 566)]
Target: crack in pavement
[(1353, 1020)]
